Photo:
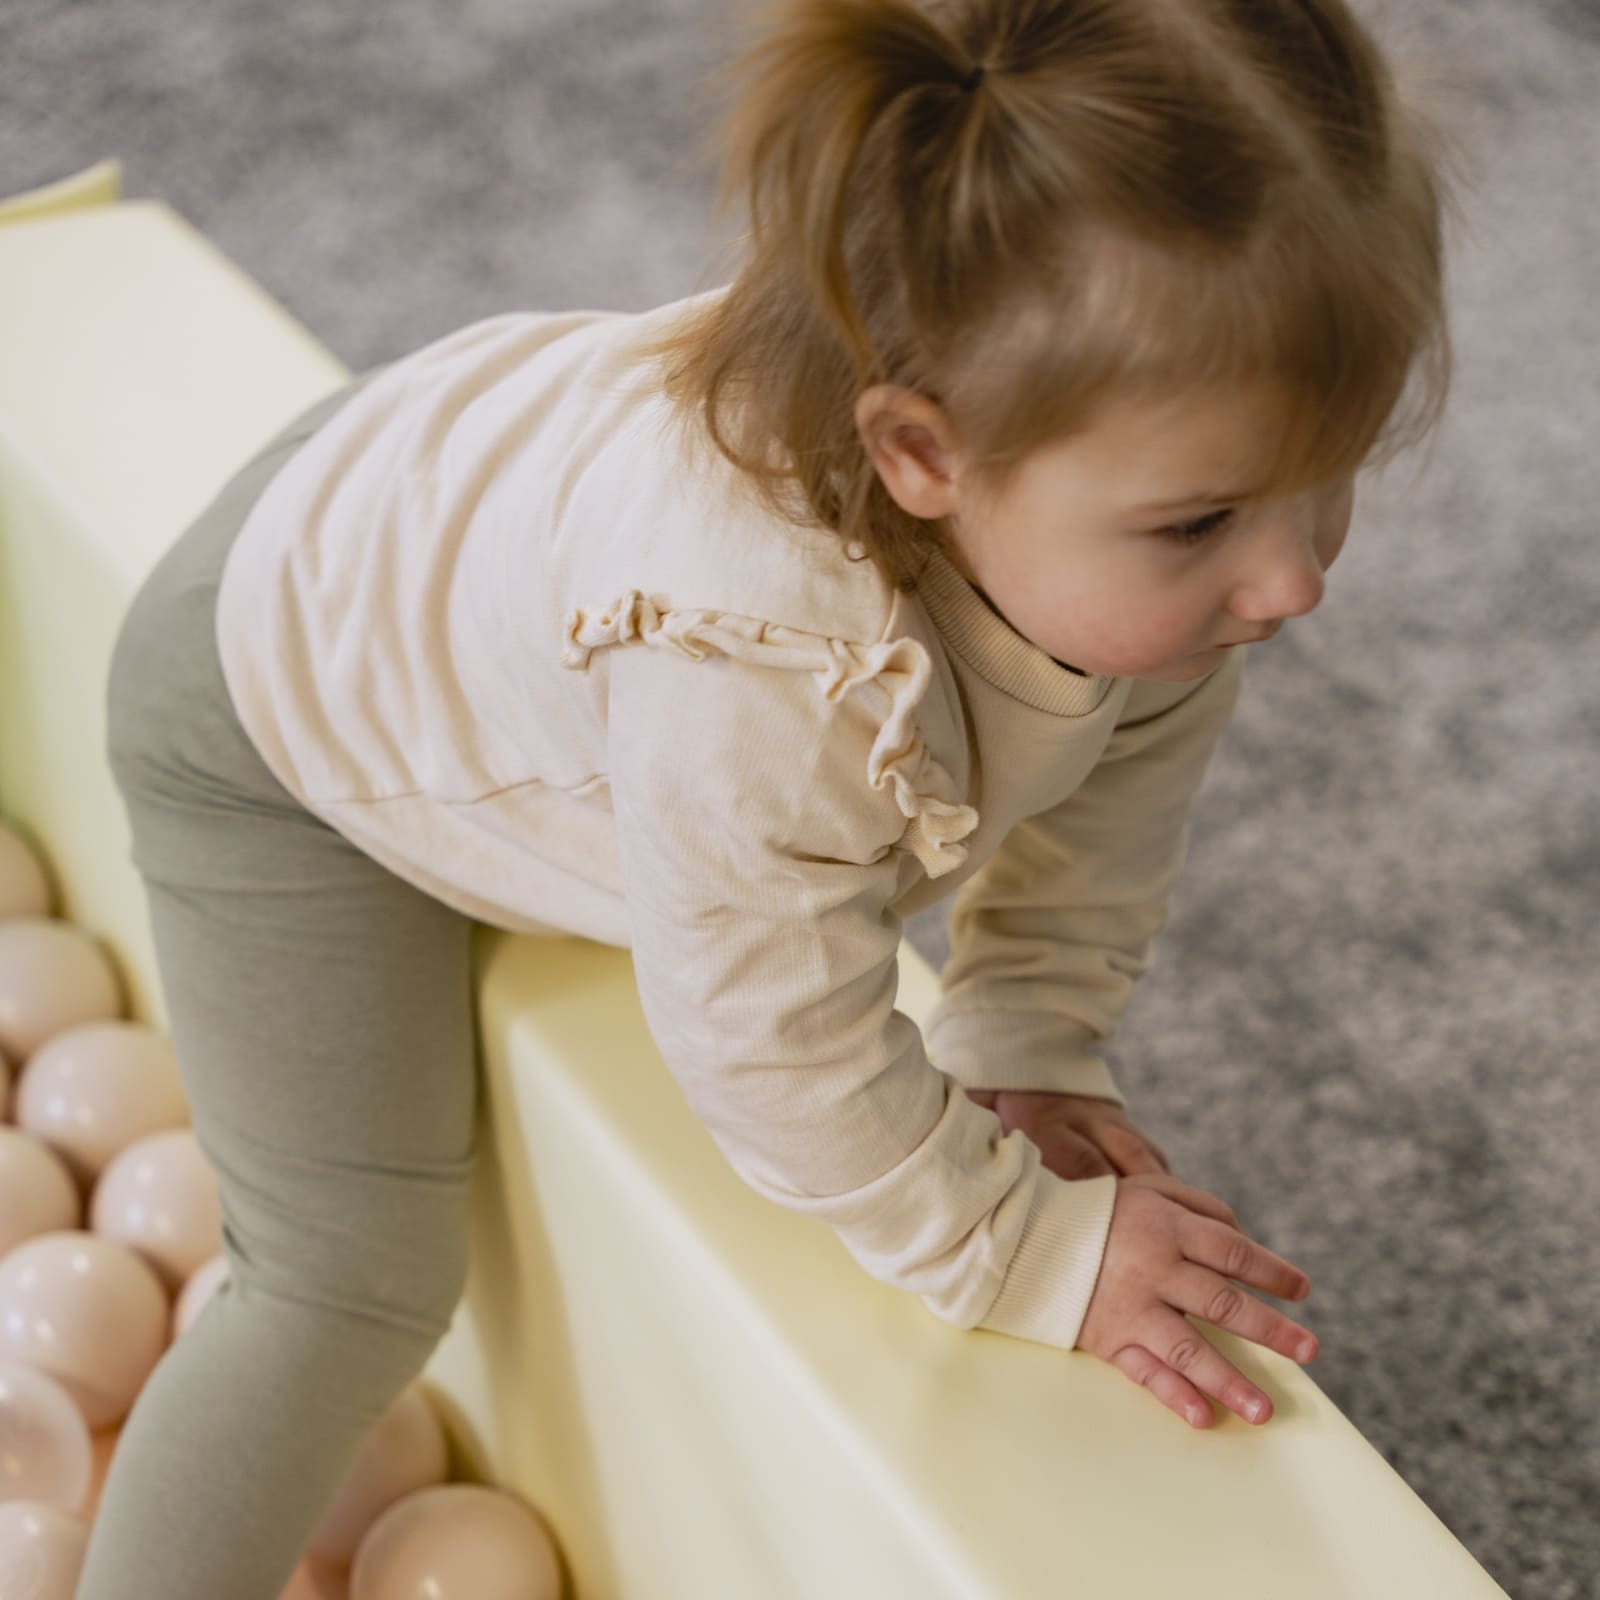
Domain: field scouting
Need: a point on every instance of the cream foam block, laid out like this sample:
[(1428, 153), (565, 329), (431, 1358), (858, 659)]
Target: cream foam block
[(703, 1393)]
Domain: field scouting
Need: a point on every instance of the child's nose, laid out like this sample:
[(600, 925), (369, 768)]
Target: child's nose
[(1287, 578)]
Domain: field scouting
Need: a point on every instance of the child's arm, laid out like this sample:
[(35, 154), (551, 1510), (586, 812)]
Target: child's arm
[(1049, 936), (759, 863)]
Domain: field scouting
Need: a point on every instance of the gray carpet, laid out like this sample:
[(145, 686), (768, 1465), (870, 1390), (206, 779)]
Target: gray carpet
[(1373, 1017)]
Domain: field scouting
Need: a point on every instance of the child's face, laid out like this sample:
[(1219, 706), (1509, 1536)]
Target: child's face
[(1079, 556)]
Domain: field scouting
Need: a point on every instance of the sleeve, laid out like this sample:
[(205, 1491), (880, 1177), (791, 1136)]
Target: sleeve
[(765, 818), (1048, 937)]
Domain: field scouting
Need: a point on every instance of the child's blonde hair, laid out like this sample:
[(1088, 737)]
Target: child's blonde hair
[(1140, 198)]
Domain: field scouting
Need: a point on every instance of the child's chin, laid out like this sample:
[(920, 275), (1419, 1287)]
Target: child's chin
[(1187, 670)]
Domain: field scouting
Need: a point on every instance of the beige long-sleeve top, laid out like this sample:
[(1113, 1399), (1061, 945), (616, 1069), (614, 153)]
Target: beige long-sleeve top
[(504, 626)]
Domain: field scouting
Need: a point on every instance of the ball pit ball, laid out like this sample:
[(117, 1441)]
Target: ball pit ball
[(405, 1451), (103, 1444), (24, 886), (315, 1579), (459, 1541), (37, 1194), (108, 1210), (45, 1453), (87, 1311), (159, 1197), (95, 1088), (203, 1282), (52, 976), (41, 1550)]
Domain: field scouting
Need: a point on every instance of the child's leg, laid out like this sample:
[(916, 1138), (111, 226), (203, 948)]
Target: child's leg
[(322, 1014)]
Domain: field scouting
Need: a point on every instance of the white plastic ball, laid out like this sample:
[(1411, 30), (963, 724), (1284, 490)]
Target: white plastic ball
[(89, 1312), (203, 1282), (159, 1197), (52, 976), (405, 1451), (96, 1088), (24, 885), (315, 1579), (459, 1541), (37, 1194), (45, 1453), (41, 1550)]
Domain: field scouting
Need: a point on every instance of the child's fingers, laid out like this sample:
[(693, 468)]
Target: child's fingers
[(1181, 1367), (1171, 1388), (1130, 1151), (1200, 1290), (1186, 1194), (1234, 1254)]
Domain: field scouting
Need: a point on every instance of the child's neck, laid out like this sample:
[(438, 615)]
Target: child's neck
[(996, 609)]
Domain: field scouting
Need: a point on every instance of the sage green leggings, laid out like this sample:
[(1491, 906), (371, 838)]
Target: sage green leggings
[(322, 1014)]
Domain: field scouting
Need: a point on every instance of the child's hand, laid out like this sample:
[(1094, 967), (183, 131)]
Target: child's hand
[(1078, 1135), (1172, 1248)]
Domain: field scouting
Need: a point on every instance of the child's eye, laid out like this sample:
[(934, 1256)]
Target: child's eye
[(1194, 532)]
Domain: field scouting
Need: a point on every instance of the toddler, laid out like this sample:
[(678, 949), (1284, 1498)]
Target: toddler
[(919, 559)]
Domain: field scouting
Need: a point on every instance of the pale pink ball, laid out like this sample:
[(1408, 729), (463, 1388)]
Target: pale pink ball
[(314, 1579), (405, 1451), (459, 1541), (37, 1194), (159, 1197), (52, 976), (45, 1452), (203, 1282), (103, 1444), (41, 1550), (24, 885), (88, 1311), (96, 1088)]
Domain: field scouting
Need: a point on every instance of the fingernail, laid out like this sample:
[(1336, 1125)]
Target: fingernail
[(1305, 1350), (1253, 1410)]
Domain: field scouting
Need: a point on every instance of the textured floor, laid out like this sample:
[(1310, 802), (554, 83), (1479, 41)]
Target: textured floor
[(1372, 1024)]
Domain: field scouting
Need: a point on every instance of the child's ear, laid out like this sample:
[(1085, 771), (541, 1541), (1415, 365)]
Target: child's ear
[(913, 447)]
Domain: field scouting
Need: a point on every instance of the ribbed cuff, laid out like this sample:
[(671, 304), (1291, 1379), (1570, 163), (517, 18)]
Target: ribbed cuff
[(1051, 1279)]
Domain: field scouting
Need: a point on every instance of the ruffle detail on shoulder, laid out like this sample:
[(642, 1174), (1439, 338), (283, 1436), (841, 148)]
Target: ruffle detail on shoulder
[(900, 668)]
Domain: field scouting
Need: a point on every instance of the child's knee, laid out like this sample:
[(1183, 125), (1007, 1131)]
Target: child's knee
[(384, 1247), (305, 1347)]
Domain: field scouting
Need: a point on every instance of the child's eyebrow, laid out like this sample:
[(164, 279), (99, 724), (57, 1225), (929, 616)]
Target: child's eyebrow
[(1200, 499)]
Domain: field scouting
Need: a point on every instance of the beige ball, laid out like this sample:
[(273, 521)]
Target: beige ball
[(41, 1550), (96, 1088), (314, 1579), (203, 1282), (159, 1197), (37, 1194), (89, 1312), (24, 884), (44, 1441), (103, 1443), (52, 976), (404, 1452), (458, 1541)]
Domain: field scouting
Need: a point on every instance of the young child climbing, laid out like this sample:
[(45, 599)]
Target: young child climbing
[(918, 559)]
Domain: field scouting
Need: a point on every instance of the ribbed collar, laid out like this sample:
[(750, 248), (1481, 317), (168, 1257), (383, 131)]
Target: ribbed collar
[(997, 652)]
